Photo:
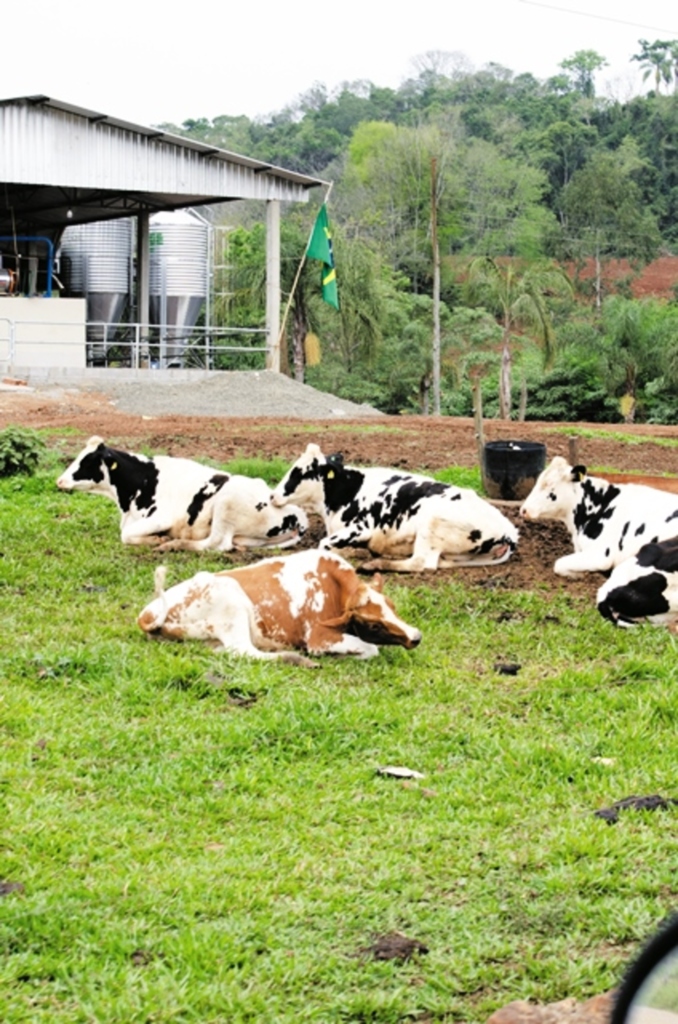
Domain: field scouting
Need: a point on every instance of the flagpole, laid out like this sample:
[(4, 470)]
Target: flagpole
[(298, 273)]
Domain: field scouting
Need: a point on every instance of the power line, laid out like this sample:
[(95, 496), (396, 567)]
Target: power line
[(599, 17)]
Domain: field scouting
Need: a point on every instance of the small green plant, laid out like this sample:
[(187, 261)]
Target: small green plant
[(20, 451)]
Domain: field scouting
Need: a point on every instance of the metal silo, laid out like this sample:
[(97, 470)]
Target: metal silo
[(96, 262), (178, 279)]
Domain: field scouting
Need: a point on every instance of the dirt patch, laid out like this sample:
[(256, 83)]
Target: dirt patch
[(409, 442), (412, 443), (656, 280)]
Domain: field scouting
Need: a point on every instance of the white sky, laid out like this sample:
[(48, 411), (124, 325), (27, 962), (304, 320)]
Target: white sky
[(152, 63)]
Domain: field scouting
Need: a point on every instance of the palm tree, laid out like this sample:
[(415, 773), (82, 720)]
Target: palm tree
[(357, 333), (656, 59), (632, 348), (247, 287), (673, 54), (518, 299)]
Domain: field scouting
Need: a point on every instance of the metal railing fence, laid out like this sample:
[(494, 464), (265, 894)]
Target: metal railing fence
[(137, 345)]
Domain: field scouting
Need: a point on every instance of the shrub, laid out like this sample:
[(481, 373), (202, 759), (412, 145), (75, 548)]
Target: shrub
[(20, 451), (572, 393)]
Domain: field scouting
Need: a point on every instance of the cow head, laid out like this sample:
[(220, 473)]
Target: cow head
[(90, 470), (303, 482), (370, 615), (556, 492)]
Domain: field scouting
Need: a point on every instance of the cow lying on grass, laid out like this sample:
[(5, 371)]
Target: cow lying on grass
[(607, 522), (313, 601), (411, 522), (180, 504), (644, 588)]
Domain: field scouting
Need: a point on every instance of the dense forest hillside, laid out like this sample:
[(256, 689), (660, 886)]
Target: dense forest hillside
[(488, 229)]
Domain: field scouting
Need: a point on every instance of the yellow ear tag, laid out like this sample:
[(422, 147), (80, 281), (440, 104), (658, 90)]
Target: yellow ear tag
[(114, 465), (330, 475)]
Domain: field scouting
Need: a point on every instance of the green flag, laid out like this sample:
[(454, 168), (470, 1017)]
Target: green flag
[(320, 248)]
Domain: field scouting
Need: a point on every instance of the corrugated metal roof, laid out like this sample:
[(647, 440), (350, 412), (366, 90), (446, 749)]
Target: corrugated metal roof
[(56, 156)]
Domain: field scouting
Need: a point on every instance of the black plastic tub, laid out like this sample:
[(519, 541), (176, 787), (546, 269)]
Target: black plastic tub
[(510, 468)]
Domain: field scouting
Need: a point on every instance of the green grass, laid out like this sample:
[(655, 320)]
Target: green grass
[(348, 428), (187, 857), (270, 470), (461, 476), (615, 435)]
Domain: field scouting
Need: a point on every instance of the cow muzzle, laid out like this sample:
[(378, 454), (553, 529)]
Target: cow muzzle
[(414, 640), (385, 635)]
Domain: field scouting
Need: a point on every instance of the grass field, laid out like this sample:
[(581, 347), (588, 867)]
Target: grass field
[(195, 838)]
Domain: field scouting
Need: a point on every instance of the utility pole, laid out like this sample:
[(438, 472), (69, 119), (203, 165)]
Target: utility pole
[(436, 287)]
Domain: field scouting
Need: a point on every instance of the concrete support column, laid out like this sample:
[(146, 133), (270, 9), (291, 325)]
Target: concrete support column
[(143, 285), (273, 284)]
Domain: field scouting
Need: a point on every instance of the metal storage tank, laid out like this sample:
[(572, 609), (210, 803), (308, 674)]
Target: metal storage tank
[(178, 279), (96, 261)]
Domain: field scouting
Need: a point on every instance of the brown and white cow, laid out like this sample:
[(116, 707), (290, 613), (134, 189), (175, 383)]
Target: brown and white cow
[(313, 601)]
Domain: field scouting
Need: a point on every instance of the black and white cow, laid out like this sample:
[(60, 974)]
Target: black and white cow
[(412, 522), (607, 522), (175, 503), (643, 588)]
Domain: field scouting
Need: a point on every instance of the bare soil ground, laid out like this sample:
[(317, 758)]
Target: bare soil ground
[(413, 443), (656, 280)]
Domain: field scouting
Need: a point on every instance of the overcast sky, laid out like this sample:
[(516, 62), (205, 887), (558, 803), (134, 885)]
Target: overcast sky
[(151, 63)]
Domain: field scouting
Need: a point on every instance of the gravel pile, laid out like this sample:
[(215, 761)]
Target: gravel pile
[(256, 393)]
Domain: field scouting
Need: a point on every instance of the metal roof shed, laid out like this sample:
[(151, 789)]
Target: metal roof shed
[(62, 164)]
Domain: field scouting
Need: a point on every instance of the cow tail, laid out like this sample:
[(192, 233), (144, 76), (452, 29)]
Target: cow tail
[(159, 578), (153, 618)]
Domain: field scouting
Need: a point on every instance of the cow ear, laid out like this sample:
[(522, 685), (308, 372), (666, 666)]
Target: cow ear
[(338, 622), (336, 460), (377, 582), (578, 474)]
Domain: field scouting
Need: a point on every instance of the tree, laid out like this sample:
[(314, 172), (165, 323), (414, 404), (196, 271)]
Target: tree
[(560, 149), (629, 336), (502, 211), (436, 65), (604, 214), (518, 299), (358, 331), (245, 303), (386, 191), (656, 59), (582, 67)]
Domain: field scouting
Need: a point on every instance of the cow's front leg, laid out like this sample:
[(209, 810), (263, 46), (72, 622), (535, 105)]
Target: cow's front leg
[(341, 539), (590, 560), (324, 640), (147, 532), (424, 558), (215, 542), (139, 529)]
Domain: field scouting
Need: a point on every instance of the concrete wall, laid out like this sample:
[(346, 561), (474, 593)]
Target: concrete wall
[(42, 332), (103, 377)]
